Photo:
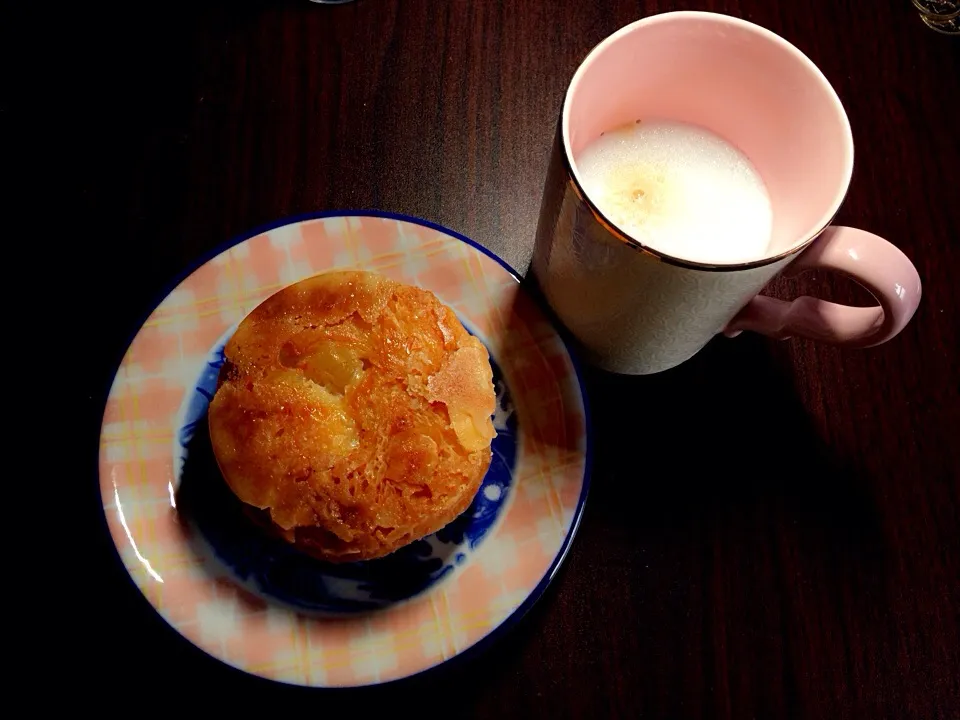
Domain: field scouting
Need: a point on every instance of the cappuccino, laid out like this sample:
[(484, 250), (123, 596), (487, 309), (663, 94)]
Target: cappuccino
[(679, 189)]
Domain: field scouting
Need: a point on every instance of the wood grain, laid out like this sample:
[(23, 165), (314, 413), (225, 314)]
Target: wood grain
[(773, 534)]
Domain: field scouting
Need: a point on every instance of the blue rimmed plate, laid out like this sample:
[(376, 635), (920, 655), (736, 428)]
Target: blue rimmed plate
[(254, 602)]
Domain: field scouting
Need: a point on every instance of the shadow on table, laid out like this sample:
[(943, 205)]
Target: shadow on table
[(725, 431)]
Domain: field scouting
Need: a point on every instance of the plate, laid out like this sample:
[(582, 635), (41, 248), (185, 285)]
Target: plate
[(252, 601)]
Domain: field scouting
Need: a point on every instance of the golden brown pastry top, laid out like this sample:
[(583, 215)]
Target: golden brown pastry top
[(356, 410)]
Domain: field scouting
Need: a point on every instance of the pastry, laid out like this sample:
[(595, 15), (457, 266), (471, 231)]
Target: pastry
[(354, 414)]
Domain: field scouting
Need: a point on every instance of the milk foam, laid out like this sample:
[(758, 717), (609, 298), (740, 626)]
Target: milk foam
[(679, 189)]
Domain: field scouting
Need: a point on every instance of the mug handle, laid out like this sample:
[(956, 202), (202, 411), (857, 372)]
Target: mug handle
[(864, 257)]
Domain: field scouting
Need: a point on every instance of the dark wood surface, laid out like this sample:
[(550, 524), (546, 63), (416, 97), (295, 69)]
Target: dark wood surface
[(774, 533)]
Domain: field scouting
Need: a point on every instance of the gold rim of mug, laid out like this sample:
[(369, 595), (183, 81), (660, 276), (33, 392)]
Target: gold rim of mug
[(932, 11), (947, 27), (610, 227)]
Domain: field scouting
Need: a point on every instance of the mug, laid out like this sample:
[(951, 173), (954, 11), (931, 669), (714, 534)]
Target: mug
[(638, 310)]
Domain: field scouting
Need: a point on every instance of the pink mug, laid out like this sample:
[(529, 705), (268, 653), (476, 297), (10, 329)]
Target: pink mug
[(638, 310)]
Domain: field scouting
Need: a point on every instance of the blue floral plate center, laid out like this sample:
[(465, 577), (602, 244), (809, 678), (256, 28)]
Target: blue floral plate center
[(232, 547)]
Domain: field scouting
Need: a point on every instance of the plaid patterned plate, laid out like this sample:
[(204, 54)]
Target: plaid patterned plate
[(253, 602)]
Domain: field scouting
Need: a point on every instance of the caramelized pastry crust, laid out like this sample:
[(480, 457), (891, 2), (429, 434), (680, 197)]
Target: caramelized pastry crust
[(354, 411)]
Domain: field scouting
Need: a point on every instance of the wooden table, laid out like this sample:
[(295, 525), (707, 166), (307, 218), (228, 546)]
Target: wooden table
[(797, 555)]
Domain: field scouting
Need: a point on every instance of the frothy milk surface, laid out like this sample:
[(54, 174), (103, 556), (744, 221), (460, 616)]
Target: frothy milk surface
[(679, 189)]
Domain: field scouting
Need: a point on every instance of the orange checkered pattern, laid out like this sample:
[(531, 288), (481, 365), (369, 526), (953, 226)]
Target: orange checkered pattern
[(138, 475)]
